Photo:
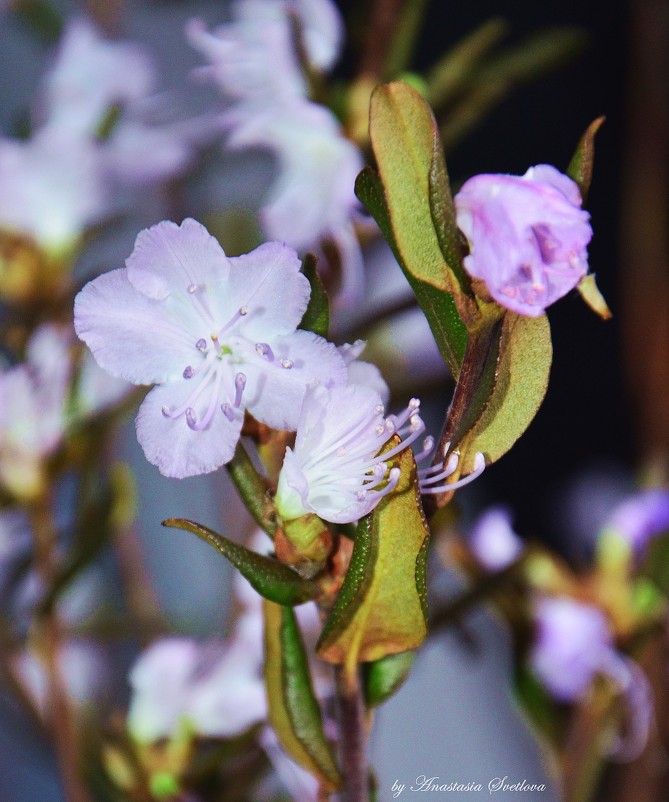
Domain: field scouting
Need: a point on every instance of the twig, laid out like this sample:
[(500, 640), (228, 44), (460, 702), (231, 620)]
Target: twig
[(352, 735)]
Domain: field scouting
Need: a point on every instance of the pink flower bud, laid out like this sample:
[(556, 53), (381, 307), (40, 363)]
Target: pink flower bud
[(527, 236)]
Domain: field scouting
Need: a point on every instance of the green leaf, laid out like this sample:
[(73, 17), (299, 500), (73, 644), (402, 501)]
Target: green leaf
[(294, 712), (593, 297), (317, 315), (253, 489), (385, 677), (520, 386), (380, 609), (403, 134), (581, 166), (273, 580)]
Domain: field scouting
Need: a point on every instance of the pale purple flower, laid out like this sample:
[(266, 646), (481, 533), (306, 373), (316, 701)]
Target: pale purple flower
[(52, 188), (493, 540), (91, 74), (215, 690), (574, 643), (641, 518), (527, 236), (216, 334), (335, 469), (300, 784), (361, 372)]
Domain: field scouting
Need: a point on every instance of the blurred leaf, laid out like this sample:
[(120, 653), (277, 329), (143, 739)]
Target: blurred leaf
[(520, 386), (109, 122), (273, 580), (497, 77), (581, 166), (454, 69), (398, 57), (317, 315), (294, 712), (593, 297), (385, 677), (381, 607), (42, 17)]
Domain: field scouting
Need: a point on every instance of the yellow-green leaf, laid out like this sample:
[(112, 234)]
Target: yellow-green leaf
[(582, 163), (381, 607), (522, 378), (385, 677), (591, 294), (293, 709)]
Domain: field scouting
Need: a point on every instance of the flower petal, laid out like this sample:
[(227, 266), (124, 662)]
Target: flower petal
[(168, 259), (269, 284), (274, 395), (130, 335), (171, 445)]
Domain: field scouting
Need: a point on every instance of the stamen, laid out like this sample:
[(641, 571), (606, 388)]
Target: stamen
[(428, 445), (190, 418), (241, 312), (227, 410), (192, 288), (479, 467), (188, 372), (265, 351), (201, 344), (448, 469), (379, 429), (240, 384), (166, 411), (287, 363)]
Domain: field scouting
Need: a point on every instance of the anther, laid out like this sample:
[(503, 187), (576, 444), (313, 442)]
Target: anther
[(166, 411), (188, 372), (190, 418), (264, 350), (240, 384), (193, 288), (228, 411), (378, 410), (379, 429), (243, 311), (414, 403), (201, 344), (287, 363)]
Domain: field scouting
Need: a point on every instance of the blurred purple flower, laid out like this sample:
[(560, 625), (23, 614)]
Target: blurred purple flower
[(335, 469), (527, 236), (217, 335), (493, 540), (641, 518)]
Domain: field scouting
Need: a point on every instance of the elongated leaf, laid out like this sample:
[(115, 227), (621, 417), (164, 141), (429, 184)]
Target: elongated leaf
[(380, 609), (273, 580), (385, 677), (317, 315), (294, 712), (520, 387), (447, 328), (593, 297), (403, 133), (581, 166)]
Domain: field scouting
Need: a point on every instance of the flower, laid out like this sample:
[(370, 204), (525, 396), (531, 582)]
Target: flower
[(216, 690), (254, 62), (641, 517), (493, 541), (335, 469), (216, 334), (527, 236)]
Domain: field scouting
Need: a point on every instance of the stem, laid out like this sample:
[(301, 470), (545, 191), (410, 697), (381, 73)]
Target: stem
[(352, 735), (59, 712)]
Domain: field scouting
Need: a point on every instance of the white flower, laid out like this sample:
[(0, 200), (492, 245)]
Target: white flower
[(335, 469), (493, 541), (217, 335), (52, 188)]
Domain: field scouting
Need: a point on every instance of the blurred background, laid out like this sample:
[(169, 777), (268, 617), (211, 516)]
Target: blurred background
[(603, 424)]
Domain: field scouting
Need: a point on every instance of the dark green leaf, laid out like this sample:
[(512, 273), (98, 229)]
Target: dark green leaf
[(317, 315), (385, 677), (273, 580), (294, 712), (42, 17)]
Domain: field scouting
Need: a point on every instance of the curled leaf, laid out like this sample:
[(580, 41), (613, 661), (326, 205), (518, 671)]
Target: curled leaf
[(273, 580)]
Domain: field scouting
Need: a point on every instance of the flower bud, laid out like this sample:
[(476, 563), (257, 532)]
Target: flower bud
[(527, 236)]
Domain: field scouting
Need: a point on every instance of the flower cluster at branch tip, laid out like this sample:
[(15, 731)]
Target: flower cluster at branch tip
[(335, 469), (217, 334), (527, 236), (574, 643)]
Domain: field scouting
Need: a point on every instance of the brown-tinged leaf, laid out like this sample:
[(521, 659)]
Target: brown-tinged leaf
[(381, 607), (593, 297), (581, 166)]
